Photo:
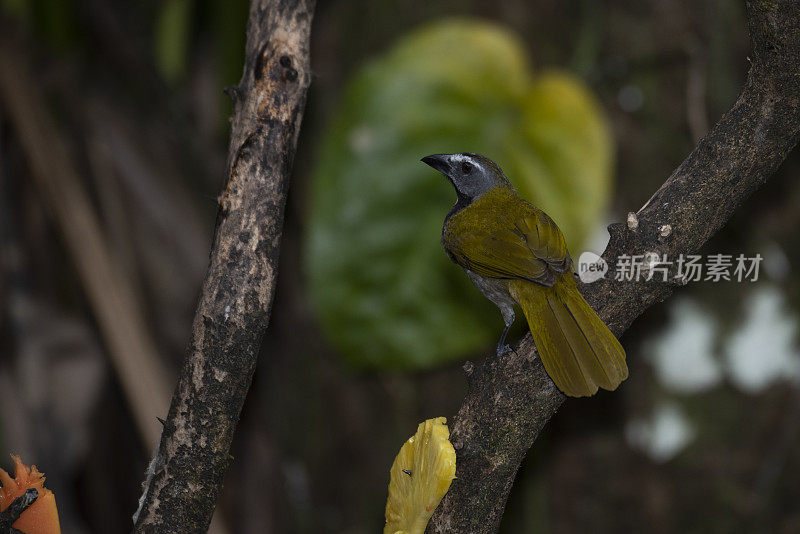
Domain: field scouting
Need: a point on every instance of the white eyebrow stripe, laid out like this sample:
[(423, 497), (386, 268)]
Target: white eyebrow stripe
[(462, 157)]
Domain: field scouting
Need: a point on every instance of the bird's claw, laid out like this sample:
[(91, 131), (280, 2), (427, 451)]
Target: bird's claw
[(502, 349)]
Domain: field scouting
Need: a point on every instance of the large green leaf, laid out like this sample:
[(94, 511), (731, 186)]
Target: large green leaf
[(385, 292)]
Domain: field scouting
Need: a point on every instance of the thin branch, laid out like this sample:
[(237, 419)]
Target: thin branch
[(10, 515), (186, 473), (511, 398)]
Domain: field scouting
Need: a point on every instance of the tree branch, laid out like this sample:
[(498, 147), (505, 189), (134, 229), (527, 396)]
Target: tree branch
[(186, 473), (511, 398)]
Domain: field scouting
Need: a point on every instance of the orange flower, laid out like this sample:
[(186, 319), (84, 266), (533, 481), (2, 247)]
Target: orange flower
[(42, 516)]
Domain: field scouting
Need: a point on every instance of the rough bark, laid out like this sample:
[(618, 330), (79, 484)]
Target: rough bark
[(185, 475), (511, 398)]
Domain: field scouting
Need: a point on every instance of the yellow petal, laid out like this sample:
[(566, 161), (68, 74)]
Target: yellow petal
[(420, 476)]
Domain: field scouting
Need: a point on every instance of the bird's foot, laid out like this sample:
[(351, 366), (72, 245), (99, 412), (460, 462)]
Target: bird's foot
[(502, 349)]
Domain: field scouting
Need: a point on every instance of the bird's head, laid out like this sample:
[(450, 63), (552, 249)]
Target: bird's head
[(471, 174)]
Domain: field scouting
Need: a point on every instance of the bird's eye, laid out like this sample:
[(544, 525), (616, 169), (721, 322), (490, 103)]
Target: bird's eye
[(466, 167)]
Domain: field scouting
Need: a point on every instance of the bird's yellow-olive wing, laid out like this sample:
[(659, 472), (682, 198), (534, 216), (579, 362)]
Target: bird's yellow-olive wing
[(544, 239), (501, 236)]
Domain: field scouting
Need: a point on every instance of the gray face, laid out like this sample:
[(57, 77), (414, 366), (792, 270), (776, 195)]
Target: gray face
[(471, 174)]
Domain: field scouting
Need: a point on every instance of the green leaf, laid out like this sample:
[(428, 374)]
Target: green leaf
[(385, 292)]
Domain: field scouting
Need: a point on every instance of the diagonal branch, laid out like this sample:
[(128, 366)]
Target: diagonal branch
[(510, 399), (185, 475), (10, 515)]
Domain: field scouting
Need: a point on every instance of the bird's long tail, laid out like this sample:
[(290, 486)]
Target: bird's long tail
[(577, 349)]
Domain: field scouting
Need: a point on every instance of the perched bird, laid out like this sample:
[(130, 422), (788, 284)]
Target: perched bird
[(514, 253)]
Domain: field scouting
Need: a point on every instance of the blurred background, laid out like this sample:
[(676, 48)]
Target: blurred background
[(113, 139)]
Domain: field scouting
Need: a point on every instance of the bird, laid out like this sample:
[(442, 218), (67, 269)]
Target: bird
[(516, 255)]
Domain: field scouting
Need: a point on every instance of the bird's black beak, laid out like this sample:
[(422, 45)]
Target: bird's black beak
[(440, 162)]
